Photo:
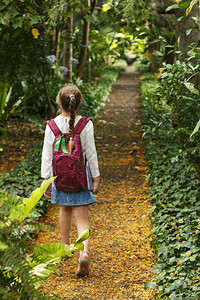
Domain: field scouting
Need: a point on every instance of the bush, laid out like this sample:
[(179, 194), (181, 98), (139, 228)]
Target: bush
[(175, 195)]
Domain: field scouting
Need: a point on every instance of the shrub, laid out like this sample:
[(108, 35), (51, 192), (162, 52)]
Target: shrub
[(174, 194)]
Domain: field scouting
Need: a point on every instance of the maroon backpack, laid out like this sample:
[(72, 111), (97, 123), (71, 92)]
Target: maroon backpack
[(69, 168)]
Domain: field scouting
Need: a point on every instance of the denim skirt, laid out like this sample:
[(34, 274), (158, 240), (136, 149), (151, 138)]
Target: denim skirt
[(72, 199)]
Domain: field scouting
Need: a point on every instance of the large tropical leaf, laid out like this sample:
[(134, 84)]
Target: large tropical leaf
[(23, 210), (49, 251), (46, 257), (83, 236)]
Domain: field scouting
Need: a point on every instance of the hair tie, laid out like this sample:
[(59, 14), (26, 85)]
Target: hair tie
[(71, 96)]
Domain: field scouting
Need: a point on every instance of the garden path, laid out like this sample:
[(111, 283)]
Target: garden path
[(121, 253)]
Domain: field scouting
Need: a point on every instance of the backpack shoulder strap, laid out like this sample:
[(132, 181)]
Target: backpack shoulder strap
[(54, 127), (81, 124)]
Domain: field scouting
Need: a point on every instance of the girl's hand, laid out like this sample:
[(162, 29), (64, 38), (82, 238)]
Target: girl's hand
[(47, 193), (96, 186)]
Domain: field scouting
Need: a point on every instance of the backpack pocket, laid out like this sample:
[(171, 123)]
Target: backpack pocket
[(70, 174)]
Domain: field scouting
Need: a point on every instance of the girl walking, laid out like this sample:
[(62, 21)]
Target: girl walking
[(69, 99)]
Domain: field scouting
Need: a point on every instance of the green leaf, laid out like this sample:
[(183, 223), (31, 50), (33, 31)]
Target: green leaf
[(47, 256), (196, 128), (191, 6), (7, 1), (24, 210), (191, 88), (83, 236), (149, 285), (89, 18), (174, 6), (191, 29), (3, 246), (79, 246), (43, 271), (47, 252), (178, 42), (180, 19), (3, 92), (155, 30), (185, 4)]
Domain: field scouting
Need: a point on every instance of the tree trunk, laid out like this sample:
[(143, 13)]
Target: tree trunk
[(58, 46), (83, 51), (55, 37), (46, 92), (68, 47), (57, 41), (85, 37)]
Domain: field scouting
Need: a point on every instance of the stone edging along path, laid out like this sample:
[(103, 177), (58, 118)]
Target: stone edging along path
[(121, 254)]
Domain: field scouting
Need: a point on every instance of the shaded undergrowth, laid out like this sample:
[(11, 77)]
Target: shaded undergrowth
[(174, 192)]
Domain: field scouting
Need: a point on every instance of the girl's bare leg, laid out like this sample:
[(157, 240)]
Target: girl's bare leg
[(65, 223), (82, 222)]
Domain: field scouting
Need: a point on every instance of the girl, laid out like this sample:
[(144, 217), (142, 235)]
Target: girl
[(69, 99)]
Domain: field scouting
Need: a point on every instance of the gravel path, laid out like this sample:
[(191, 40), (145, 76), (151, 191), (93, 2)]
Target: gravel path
[(121, 254)]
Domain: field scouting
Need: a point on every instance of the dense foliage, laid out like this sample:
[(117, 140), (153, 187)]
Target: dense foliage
[(174, 193), (170, 108), (41, 51)]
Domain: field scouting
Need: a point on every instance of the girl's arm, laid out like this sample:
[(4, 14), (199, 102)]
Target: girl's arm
[(47, 156), (91, 156)]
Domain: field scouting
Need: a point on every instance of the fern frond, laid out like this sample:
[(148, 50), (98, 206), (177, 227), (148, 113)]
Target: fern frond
[(39, 226), (19, 278)]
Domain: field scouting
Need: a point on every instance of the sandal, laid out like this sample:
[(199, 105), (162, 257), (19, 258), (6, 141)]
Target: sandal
[(83, 265)]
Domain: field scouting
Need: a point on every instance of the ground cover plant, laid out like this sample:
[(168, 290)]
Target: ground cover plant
[(170, 108), (175, 195)]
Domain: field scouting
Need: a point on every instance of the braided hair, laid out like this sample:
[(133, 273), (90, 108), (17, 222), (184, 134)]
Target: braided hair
[(70, 97)]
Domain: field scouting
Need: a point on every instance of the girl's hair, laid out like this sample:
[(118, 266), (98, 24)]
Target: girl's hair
[(70, 97)]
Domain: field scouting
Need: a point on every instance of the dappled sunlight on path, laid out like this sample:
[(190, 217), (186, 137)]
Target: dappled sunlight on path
[(121, 253)]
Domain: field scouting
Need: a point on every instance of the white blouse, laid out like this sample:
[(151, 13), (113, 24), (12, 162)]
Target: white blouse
[(87, 142)]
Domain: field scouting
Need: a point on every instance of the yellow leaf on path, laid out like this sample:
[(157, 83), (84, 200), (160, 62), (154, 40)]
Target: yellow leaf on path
[(35, 33)]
